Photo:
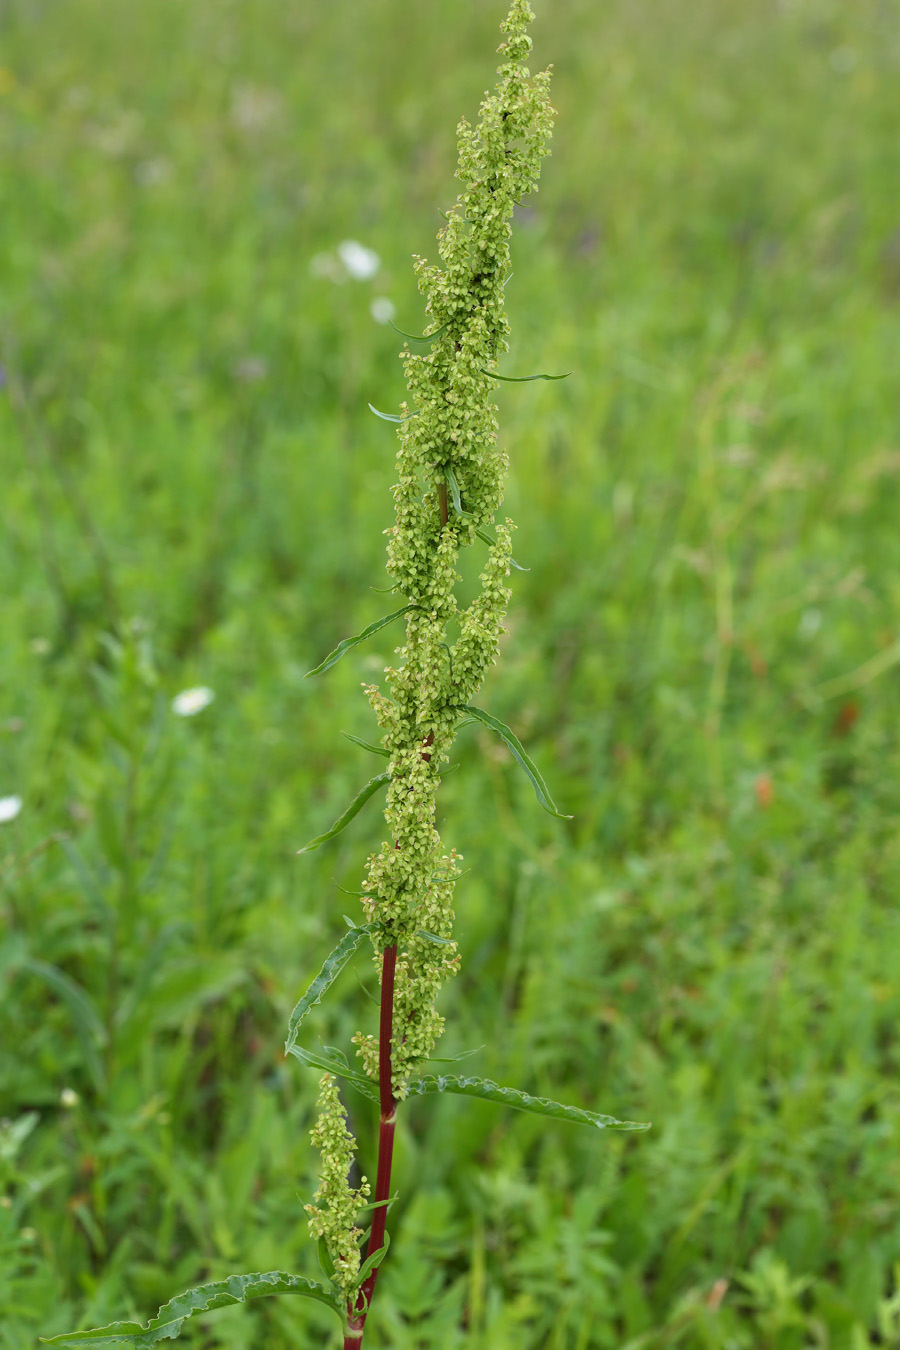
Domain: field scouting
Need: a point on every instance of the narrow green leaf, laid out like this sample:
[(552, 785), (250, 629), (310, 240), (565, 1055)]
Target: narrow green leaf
[(391, 417), (454, 492), (366, 745), (455, 1059), (88, 1026), (353, 809), (330, 1065), (521, 1101), (326, 1265), (373, 1261), (519, 754), (349, 643), (427, 337), (523, 379), (486, 538), (220, 1294), (333, 965), (433, 937), (379, 1204)]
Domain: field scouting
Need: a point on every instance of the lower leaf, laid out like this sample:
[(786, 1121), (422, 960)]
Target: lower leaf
[(521, 1101), (170, 1319)]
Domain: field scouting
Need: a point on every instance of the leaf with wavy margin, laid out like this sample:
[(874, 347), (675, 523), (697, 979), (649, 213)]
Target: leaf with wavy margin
[(524, 379), (331, 968), (219, 1294), (520, 755), (520, 1101), (353, 809)]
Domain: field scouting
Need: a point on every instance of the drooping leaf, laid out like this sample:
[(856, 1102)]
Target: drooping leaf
[(328, 1064), (331, 968), (521, 1101), (427, 337), (366, 745), (486, 538), (520, 755), (391, 417), (524, 379), (86, 1020), (219, 1294), (349, 643), (353, 809)]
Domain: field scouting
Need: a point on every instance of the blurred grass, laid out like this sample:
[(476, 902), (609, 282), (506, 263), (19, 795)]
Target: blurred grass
[(708, 508)]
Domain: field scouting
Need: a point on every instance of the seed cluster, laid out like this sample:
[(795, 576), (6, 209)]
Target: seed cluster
[(450, 479)]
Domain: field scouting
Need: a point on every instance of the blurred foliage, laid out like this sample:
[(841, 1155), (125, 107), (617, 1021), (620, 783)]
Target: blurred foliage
[(702, 659)]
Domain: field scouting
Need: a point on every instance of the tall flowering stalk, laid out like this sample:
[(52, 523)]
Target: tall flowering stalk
[(449, 489)]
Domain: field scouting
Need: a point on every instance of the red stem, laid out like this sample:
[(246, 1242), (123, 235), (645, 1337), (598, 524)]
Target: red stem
[(358, 1312)]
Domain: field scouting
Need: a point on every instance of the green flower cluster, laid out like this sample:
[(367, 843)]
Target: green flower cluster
[(450, 479), (335, 1207)]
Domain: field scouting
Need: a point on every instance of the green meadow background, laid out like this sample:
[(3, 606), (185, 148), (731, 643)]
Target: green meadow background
[(703, 659)]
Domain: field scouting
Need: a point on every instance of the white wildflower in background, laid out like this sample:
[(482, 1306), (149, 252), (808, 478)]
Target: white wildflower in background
[(382, 309), (69, 1098), (9, 808), (361, 263), (192, 701)]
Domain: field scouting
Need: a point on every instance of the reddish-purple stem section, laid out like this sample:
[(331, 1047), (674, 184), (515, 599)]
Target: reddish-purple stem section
[(357, 1313)]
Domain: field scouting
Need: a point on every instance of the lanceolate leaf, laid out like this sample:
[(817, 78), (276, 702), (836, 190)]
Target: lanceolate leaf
[(454, 492), (391, 417), (349, 643), (521, 1101), (483, 535), (353, 809), (366, 745), (428, 337), (330, 1064), (88, 1027), (334, 964), (433, 937), (220, 1294), (372, 1261), (519, 754), (524, 379)]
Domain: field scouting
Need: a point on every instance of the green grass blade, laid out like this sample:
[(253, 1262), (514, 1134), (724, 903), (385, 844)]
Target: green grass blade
[(353, 809), (520, 1101), (333, 965), (330, 1064), (349, 643), (520, 755), (220, 1294), (366, 745), (87, 1022), (524, 379)]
